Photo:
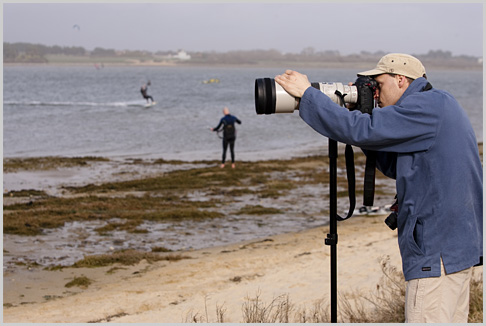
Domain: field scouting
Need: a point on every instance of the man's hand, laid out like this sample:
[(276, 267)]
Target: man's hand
[(293, 82)]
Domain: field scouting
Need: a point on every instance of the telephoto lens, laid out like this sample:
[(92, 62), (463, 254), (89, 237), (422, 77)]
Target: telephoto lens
[(271, 98)]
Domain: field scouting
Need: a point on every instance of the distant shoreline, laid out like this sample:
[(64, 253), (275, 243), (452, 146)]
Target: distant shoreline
[(317, 65)]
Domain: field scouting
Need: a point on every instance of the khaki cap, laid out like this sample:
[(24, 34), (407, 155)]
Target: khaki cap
[(399, 64)]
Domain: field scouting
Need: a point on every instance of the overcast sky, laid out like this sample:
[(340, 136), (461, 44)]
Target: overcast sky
[(348, 28)]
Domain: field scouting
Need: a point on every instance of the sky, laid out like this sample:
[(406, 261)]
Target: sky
[(414, 28)]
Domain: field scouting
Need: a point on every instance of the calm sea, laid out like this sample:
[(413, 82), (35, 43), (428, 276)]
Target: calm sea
[(80, 111)]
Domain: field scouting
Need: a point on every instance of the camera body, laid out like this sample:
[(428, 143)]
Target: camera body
[(366, 87), (271, 98)]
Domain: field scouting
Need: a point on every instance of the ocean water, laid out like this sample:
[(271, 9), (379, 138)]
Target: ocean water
[(80, 111)]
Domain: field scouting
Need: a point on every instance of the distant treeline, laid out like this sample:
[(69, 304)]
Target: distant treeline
[(35, 53), (310, 56), (38, 53)]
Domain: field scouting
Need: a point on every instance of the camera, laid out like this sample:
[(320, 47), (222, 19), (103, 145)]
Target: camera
[(392, 221), (271, 98)]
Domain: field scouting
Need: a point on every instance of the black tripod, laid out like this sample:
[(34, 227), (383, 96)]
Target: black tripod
[(332, 237), (365, 105), (369, 185)]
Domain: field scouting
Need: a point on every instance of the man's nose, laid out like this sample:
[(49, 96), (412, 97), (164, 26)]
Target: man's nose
[(377, 94)]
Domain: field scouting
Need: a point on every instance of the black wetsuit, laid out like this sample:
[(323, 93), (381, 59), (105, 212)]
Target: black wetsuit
[(229, 134), (143, 90)]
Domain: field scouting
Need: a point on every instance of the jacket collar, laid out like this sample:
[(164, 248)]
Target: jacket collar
[(417, 85)]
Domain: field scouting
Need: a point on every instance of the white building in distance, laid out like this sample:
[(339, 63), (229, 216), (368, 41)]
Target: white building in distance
[(181, 55)]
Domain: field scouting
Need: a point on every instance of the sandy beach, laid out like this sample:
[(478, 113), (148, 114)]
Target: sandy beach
[(294, 265)]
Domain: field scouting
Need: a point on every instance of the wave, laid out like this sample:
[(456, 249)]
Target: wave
[(75, 104)]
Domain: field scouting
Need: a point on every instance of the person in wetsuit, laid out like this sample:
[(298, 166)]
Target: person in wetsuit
[(143, 90), (229, 134)]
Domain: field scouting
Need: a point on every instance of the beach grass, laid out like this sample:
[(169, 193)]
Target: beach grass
[(386, 304), (476, 300)]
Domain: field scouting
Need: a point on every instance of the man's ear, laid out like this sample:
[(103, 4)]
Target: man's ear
[(402, 81)]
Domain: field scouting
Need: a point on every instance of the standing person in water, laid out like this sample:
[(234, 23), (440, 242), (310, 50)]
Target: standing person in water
[(229, 135), (143, 90)]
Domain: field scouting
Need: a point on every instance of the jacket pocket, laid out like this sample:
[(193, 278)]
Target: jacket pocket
[(415, 236)]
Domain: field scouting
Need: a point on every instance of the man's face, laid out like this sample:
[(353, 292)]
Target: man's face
[(389, 90)]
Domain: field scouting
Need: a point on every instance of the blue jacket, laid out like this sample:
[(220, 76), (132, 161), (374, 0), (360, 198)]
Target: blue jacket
[(425, 142)]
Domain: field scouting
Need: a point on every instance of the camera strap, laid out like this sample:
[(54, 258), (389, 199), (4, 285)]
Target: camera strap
[(349, 156), (427, 87), (369, 179), (369, 176)]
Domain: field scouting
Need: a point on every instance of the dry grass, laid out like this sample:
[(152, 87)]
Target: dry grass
[(476, 300), (277, 311), (384, 305)]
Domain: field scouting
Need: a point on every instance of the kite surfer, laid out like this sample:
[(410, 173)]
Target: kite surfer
[(143, 90)]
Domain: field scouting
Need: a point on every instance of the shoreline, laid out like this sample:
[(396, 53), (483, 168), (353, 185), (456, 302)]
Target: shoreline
[(261, 203), (290, 263), (317, 65), (168, 291), (293, 264)]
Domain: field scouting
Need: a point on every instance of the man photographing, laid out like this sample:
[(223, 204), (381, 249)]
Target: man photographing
[(426, 142)]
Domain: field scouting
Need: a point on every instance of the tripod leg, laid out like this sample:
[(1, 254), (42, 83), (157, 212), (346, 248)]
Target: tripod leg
[(332, 237)]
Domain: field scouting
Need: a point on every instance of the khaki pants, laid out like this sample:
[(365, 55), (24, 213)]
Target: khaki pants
[(443, 299)]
